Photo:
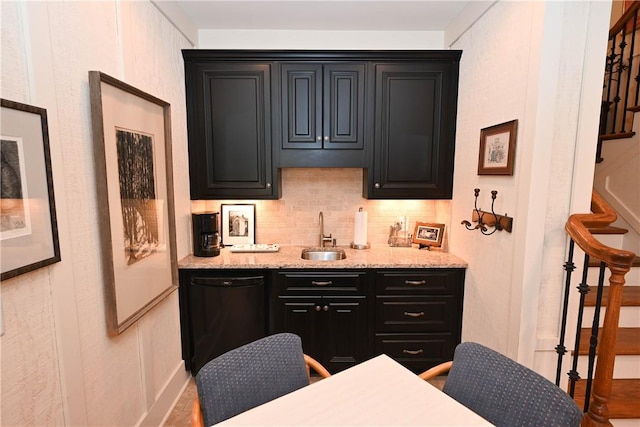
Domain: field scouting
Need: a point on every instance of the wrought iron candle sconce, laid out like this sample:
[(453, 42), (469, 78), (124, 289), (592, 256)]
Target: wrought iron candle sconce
[(488, 219)]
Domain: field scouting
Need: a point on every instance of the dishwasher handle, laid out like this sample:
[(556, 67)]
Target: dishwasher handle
[(228, 281)]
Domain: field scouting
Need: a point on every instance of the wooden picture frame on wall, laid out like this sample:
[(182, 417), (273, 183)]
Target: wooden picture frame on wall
[(28, 224), (132, 145), (497, 149)]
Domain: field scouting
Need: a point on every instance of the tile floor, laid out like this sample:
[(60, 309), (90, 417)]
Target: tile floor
[(181, 414)]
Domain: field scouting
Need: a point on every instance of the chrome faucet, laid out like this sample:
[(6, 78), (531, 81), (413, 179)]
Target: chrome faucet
[(323, 239)]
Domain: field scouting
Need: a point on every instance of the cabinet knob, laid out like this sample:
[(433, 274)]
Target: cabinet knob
[(268, 185), (325, 308), (413, 352), (319, 138), (317, 308), (377, 185), (326, 138), (415, 282)]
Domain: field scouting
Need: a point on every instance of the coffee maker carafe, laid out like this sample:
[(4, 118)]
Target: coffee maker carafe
[(206, 239)]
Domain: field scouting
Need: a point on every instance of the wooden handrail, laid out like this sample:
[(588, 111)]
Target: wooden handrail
[(625, 18), (619, 262)]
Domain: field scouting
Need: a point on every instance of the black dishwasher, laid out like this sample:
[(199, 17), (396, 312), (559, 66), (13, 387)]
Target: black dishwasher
[(224, 313)]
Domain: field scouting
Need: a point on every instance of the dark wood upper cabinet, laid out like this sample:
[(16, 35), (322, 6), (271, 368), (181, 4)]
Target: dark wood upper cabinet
[(229, 123), (414, 131), (392, 113), (323, 106)]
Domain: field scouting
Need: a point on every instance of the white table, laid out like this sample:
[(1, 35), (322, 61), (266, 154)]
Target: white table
[(378, 392)]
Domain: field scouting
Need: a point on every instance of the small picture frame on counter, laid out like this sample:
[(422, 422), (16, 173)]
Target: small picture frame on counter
[(428, 234), (238, 224)]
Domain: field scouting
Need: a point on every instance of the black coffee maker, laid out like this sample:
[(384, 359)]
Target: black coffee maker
[(206, 239)]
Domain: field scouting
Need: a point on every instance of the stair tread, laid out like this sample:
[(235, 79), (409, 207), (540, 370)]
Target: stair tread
[(622, 135), (608, 230), (625, 395), (630, 296), (627, 342)]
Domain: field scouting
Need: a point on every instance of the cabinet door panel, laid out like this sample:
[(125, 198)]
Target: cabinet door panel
[(345, 332), (344, 100), (299, 316), (301, 106), (415, 109), (229, 120)]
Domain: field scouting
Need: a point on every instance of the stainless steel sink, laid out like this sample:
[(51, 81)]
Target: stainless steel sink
[(323, 254)]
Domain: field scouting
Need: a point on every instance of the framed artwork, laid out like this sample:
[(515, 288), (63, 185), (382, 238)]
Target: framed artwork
[(238, 224), (497, 149), (28, 225), (428, 234), (132, 145)]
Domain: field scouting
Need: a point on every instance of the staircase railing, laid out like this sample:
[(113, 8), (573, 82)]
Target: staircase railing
[(621, 79), (603, 342)]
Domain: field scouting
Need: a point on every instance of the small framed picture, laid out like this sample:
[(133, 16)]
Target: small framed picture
[(497, 149), (238, 224), (428, 234)]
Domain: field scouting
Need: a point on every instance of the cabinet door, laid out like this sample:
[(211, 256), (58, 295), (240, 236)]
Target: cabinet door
[(344, 332), (229, 121), (299, 316), (301, 106), (344, 98), (414, 135), (323, 106)]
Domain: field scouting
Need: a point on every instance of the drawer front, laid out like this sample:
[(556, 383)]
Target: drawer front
[(319, 282), (420, 314), (417, 352), (433, 282)]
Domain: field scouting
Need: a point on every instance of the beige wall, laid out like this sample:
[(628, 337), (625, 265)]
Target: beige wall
[(59, 366), (549, 78)]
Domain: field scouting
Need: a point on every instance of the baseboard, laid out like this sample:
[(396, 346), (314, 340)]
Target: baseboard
[(167, 398)]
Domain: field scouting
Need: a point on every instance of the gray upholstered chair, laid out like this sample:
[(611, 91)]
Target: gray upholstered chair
[(503, 391), (251, 375)]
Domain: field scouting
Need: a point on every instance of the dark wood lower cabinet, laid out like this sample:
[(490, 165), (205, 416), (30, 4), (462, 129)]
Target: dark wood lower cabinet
[(344, 317), (328, 310), (418, 315), (417, 352)]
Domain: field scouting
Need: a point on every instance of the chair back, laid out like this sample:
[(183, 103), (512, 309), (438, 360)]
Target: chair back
[(251, 375), (505, 392)]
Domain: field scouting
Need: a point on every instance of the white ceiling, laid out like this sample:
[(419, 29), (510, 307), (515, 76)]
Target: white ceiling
[(335, 15)]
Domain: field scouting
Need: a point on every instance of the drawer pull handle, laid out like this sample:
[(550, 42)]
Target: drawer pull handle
[(415, 282), (413, 352), (314, 282), (406, 313)]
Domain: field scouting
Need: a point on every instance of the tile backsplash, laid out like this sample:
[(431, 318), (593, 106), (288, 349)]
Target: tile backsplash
[(293, 219)]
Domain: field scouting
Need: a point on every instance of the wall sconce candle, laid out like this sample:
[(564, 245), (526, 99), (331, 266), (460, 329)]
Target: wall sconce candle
[(488, 219)]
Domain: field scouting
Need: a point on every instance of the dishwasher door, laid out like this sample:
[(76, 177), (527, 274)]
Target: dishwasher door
[(227, 312)]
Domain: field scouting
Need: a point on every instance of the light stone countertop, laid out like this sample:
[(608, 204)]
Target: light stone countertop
[(378, 256)]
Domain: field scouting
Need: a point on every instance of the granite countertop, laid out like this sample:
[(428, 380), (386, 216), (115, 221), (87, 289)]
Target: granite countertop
[(378, 256)]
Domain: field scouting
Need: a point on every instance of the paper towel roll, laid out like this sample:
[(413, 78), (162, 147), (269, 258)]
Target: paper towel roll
[(360, 229)]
